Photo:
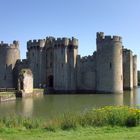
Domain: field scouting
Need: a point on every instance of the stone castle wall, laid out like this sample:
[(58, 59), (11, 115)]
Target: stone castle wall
[(127, 69), (109, 71), (86, 73), (65, 53), (55, 64), (135, 76), (9, 54), (35, 56)]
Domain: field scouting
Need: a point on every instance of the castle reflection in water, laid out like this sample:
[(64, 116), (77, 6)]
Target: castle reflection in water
[(52, 105)]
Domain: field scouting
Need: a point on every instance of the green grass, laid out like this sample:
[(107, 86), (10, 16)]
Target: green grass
[(110, 122), (88, 133), (106, 116)]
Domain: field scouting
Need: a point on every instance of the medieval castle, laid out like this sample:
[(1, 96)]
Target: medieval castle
[(55, 64)]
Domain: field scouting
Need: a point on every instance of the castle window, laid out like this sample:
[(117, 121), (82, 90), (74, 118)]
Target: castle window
[(33, 54), (4, 77), (38, 47), (110, 65), (36, 65), (62, 65), (51, 65)]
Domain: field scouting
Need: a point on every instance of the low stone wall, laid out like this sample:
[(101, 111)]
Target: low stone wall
[(7, 96), (36, 92)]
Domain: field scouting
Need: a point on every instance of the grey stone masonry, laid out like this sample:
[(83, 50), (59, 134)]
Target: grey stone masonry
[(55, 64)]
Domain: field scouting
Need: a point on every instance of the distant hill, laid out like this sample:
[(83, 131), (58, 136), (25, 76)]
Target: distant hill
[(139, 78)]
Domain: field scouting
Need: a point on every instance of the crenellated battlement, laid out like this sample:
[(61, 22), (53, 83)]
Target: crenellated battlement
[(56, 42), (88, 58), (134, 56), (15, 44), (21, 61), (50, 39), (127, 51), (62, 41), (36, 43), (101, 37), (74, 41), (2, 44), (117, 38), (66, 41), (52, 42)]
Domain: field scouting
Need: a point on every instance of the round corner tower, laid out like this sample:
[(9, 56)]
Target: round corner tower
[(109, 77), (135, 77), (9, 54)]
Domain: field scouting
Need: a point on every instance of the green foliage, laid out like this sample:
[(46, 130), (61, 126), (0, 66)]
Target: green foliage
[(51, 125), (69, 121), (131, 121), (19, 122), (106, 116), (117, 116)]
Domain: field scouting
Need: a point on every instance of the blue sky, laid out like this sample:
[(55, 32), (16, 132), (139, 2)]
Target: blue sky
[(33, 19)]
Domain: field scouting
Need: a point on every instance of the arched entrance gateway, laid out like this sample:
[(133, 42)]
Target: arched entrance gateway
[(50, 81)]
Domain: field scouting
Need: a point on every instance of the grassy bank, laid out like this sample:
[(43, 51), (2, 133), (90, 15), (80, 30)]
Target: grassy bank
[(106, 116), (87, 133), (103, 123)]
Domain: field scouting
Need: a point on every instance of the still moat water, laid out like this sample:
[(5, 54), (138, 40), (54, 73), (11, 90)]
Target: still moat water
[(49, 106)]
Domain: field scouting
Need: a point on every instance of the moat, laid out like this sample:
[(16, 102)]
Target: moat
[(49, 106)]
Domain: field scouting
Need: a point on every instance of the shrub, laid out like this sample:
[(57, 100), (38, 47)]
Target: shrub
[(52, 125), (109, 115), (131, 121), (69, 121)]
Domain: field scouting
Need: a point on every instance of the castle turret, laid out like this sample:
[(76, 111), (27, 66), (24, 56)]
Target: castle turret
[(127, 69), (135, 77), (35, 56), (72, 57), (109, 75), (9, 54), (49, 55), (65, 53)]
